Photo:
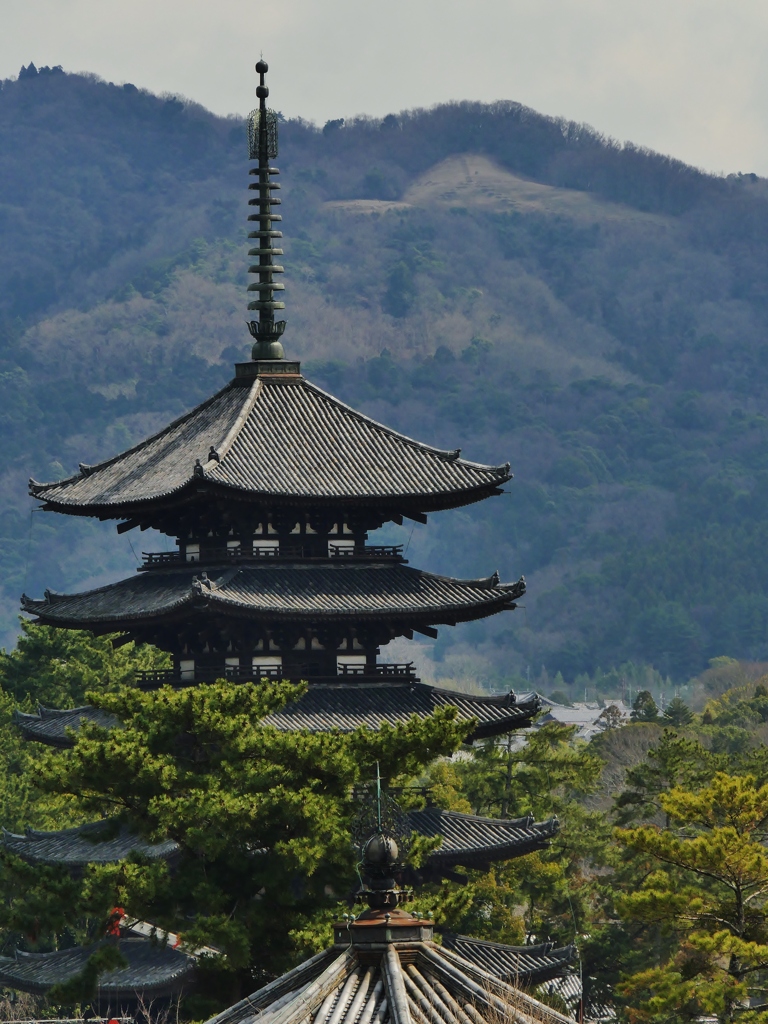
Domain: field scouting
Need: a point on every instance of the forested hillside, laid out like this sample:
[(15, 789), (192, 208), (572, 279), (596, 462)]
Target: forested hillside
[(476, 276)]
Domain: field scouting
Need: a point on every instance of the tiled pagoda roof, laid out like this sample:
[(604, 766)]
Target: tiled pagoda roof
[(279, 438), (466, 839), (296, 592), (387, 970), (52, 725), (97, 842), (518, 965), (152, 971), (347, 707), (344, 706), (471, 841)]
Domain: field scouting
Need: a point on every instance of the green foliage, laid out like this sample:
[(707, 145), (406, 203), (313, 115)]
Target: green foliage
[(677, 713), (709, 890), (644, 708), (58, 666), (262, 818), (505, 780)]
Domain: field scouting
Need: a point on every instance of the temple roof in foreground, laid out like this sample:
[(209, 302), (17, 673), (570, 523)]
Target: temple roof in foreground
[(466, 840), (344, 706), (97, 842), (386, 969), (279, 438), (527, 965), (152, 971), (296, 592)]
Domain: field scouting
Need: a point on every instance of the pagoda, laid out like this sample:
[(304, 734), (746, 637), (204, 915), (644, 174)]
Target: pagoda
[(270, 489)]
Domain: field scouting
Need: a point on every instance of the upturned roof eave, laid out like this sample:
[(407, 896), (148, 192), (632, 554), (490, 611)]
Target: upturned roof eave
[(493, 597), (190, 490), (448, 615)]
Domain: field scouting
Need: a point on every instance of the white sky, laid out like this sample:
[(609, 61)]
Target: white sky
[(686, 77)]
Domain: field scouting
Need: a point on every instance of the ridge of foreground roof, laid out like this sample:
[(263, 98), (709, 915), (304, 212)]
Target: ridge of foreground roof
[(343, 706), (294, 590), (388, 971), (279, 439), (151, 970)]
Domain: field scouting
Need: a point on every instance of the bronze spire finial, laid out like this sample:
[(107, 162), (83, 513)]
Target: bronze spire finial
[(262, 145)]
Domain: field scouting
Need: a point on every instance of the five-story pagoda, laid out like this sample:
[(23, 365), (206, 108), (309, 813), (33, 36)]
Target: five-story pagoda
[(271, 488)]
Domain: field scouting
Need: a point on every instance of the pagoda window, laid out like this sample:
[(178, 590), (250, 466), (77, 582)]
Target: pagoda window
[(341, 548), (231, 667), (265, 665), (346, 529), (192, 552), (233, 547), (259, 529), (187, 668), (271, 529), (350, 664), (297, 528), (266, 548), (315, 645)]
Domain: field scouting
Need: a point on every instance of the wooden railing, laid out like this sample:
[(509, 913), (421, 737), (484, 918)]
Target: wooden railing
[(372, 552), (153, 678)]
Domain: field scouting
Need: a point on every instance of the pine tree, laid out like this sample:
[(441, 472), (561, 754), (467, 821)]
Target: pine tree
[(644, 708), (677, 713), (709, 892), (261, 817)]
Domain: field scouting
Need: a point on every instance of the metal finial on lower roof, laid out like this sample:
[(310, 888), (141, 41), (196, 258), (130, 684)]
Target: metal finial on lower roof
[(262, 145)]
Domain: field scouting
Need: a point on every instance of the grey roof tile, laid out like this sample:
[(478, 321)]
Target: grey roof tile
[(522, 965), (468, 839), (344, 706), (276, 439), (348, 707), (52, 725), (97, 842), (465, 837), (295, 591), (151, 970)]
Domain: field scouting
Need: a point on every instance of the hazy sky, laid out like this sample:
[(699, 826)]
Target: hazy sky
[(687, 77)]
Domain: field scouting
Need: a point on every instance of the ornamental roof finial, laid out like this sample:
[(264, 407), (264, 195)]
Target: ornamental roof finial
[(262, 145)]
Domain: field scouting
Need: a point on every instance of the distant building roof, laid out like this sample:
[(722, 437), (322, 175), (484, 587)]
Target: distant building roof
[(152, 971), (278, 438), (299, 592), (584, 715), (518, 965), (344, 706)]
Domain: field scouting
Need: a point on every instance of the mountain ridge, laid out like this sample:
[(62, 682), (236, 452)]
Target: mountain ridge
[(617, 360)]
